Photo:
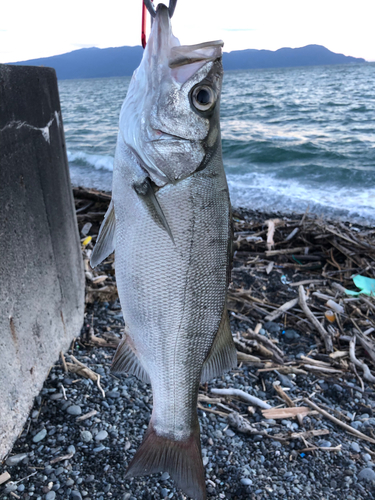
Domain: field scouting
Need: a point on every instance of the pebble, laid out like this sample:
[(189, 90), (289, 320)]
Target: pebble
[(246, 481), (291, 334), (41, 435), (101, 435), (325, 444), (230, 433), (356, 424), (71, 449), (59, 471), (164, 492), (74, 410), (75, 495), (10, 487), (271, 327), (366, 475), (366, 457), (99, 448), (69, 482), (355, 447), (56, 396), (164, 476), (16, 459), (51, 495), (86, 436), (113, 394)]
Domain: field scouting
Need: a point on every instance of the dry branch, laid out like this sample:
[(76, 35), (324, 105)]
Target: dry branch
[(338, 422), (242, 395), (325, 335)]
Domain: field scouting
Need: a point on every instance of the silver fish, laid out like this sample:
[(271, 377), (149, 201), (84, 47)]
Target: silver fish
[(169, 222)]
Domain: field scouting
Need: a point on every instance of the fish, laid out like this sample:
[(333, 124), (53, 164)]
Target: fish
[(169, 223)]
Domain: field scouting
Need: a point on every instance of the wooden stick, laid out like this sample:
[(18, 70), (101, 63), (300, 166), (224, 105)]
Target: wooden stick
[(63, 362), (281, 310), (5, 476), (367, 375), (338, 422), (326, 336), (242, 395)]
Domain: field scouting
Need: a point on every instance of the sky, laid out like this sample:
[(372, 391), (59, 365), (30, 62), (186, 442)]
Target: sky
[(41, 28)]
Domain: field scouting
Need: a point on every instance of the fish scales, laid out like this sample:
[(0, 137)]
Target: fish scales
[(169, 224), (173, 295)]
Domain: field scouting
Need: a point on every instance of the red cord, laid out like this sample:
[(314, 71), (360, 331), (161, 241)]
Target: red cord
[(143, 32)]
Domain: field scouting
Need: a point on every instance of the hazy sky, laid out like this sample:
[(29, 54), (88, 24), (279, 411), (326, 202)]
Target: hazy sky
[(41, 28)]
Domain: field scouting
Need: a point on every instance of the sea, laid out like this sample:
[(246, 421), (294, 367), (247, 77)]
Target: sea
[(294, 139)]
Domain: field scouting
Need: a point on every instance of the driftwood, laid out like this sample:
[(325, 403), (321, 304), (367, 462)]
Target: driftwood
[(347, 427), (242, 395)]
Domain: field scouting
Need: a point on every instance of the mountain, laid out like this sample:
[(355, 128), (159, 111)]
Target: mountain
[(122, 61), (311, 55)]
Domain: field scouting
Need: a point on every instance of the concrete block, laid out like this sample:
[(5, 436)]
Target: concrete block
[(41, 271)]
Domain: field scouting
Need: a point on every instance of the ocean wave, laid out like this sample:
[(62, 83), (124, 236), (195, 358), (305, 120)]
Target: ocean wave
[(267, 193), (99, 162)]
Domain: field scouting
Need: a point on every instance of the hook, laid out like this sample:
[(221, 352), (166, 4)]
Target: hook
[(152, 11)]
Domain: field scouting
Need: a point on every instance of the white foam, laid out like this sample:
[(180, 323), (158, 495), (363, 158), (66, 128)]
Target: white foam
[(268, 193), (104, 162)]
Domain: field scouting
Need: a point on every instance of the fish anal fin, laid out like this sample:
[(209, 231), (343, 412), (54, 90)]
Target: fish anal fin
[(223, 354), (182, 459), (126, 360), (105, 243)]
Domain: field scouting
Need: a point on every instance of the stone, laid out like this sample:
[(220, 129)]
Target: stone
[(41, 435), (324, 444), (291, 334), (355, 447), (272, 327), (74, 410), (86, 436), (366, 474), (101, 435), (246, 481), (16, 459), (36, 202), (51, 495), (75, 495), (164, 476)]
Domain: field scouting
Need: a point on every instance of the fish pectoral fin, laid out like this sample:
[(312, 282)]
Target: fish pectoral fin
[(182, 459), (223, 354), (105, 243), (145, 190), (126, 360)]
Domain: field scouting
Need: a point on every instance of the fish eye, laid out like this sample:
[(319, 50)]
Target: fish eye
[(203, 97)]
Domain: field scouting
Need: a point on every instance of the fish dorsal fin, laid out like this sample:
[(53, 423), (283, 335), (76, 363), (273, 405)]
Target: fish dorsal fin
[(223, 354), (126, 360), (105, 243)]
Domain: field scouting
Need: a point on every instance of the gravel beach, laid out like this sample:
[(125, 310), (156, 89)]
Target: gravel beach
[(82, 432)]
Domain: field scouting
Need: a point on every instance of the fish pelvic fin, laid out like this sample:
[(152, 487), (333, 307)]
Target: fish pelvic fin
[(182, 459), (105, 243), (223, 354), (126, 360)]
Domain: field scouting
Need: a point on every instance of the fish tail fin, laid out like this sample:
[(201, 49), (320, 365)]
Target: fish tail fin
[(182, 459)]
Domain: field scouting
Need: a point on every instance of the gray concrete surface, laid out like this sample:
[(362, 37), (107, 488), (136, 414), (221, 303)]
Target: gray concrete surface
[(41, 272)]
